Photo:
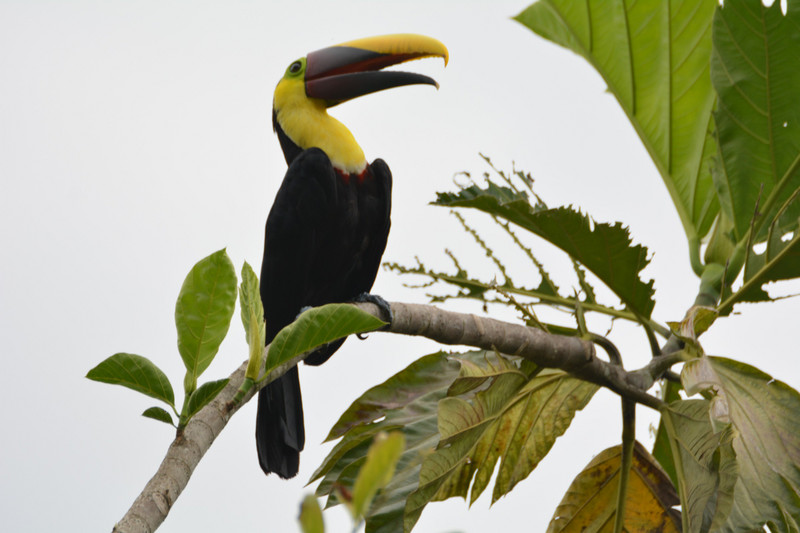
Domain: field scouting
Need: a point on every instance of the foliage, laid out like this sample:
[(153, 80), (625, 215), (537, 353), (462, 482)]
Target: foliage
[(665, 90), (461, 416), (203, 314), (711, 91)]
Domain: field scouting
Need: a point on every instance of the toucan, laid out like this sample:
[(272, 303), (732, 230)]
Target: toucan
[(327, 228)]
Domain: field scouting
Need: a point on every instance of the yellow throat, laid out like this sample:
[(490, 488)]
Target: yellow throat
[(307, 123)]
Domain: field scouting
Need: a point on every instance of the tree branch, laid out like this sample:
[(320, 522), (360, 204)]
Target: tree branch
[(571, 354)]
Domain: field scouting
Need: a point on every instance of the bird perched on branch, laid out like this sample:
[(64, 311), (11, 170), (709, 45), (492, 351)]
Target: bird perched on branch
[(328, 226)]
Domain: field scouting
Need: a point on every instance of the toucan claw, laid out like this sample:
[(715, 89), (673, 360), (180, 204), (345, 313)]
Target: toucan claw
[(383, 305)]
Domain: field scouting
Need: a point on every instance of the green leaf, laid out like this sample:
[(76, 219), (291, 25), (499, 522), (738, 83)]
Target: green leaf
[(406, 402), (779, 261), (157, 413), (319, 326), (706, 463), (765, 414), (311, 516), (661, 447), (204, 394), (135, 372), (515, 421), (377, 471), (415, 403), (252, 311), (590, 501), (203, 312), (755, 72), (604, 249), (654, 56)]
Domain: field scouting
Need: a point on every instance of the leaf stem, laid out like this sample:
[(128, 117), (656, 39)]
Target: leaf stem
[(628, 440)]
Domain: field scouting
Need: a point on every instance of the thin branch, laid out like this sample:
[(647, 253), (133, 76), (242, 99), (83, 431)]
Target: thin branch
[(571, 354)]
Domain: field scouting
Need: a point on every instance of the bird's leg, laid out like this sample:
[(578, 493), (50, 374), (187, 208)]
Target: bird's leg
[(383, 305)]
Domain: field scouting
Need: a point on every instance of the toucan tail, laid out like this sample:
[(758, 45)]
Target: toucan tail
[(280, 434)]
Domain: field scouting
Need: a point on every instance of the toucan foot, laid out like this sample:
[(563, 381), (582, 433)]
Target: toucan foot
[(383, 305)]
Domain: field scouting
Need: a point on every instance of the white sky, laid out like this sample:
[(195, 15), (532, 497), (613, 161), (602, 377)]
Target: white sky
[(135, 139)]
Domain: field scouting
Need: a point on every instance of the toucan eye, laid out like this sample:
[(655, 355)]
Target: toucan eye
[(295, 67)]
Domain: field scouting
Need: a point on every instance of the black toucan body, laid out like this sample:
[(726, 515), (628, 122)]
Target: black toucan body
[(328, 225)]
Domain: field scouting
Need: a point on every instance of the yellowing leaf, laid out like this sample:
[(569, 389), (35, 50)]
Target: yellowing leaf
[(590, 502)]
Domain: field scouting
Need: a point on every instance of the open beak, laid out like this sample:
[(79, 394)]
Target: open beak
[(353, 69)]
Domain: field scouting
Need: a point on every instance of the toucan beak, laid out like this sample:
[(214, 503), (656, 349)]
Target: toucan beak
[(353, 69)]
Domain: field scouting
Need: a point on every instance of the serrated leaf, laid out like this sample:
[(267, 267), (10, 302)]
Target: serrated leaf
[(252, 312), (606, 250), (514, 421), (204, 394), (755, 72), (707, 464), (654, 56), (311, 516), (319, 326), (765, 414), (377, 471), (135, 372), (591, 500), (157, 413), (204, 310)]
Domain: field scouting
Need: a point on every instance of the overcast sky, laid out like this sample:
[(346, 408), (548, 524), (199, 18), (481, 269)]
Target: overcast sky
[(135, 139)]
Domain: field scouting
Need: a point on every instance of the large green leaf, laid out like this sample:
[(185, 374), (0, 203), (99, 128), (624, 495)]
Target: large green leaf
[(481, 404), (604, 249), (406, 402), (590, 503), (203, 312), (654, 56), (756, 72), (706, 463), (318, 326), (135, 372), (515, 421), (765, 414)]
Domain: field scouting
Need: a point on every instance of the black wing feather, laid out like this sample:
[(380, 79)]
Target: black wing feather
[(325, 236)]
